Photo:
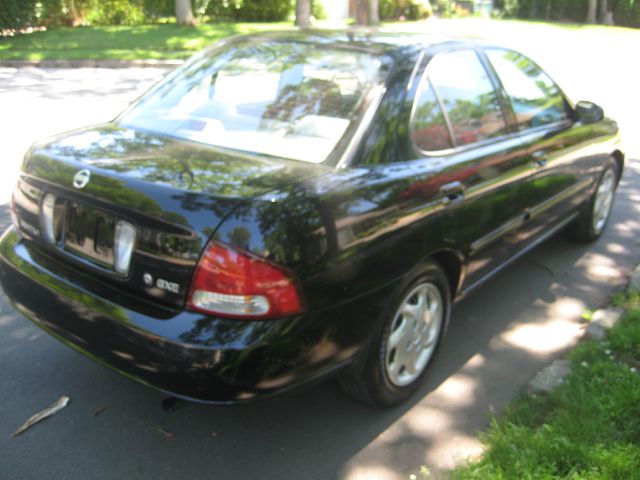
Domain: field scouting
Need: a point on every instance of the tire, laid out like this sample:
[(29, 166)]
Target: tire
[(595, 214), (401, 353)]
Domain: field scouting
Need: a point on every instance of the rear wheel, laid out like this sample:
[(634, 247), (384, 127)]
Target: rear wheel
[(594, 217), (398, 360)]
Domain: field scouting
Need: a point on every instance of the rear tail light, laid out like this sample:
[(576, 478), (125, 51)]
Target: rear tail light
[(234, 283)]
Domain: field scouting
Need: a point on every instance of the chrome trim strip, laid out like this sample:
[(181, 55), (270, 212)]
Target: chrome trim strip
[(526, 216), (559, 197), (499, 232), (549, 233)]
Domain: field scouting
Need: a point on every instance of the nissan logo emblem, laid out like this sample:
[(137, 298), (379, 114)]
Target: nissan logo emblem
[(81, 179)]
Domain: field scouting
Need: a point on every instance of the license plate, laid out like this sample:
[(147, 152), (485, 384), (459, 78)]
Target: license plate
[(90, 234)]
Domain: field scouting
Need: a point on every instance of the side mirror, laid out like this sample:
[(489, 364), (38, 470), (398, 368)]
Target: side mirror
[(589, 112)]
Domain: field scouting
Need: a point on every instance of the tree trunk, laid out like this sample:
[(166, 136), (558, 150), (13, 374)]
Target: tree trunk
[(303, 13), (547, 12), (604, 9), (184, 13), (362, 15), (591, 13), (72, 13), (374, 13)]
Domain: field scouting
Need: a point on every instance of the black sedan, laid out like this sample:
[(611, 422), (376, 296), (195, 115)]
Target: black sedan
[(288, 206)]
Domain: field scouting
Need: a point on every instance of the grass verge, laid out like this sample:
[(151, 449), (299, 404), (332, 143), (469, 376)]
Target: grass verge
[(589, 428), (169, 41), (160, 41)]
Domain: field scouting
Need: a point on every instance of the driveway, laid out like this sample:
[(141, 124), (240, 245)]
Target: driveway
[(114, 428)]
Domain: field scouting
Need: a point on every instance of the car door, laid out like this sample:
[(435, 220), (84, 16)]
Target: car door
[(459, 123), (542, 117)]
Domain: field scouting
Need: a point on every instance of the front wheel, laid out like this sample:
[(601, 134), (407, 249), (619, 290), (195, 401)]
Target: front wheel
[(593, 219), (401, 354)]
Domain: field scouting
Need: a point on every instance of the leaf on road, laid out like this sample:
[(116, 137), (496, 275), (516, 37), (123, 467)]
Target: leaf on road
[(99, 411), (165, 432), (47, 412)]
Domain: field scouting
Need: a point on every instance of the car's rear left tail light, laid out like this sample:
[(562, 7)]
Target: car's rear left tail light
[(233, 283)]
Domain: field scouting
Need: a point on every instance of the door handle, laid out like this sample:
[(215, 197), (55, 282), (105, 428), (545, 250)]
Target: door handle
[(539, 158), (452, 191)]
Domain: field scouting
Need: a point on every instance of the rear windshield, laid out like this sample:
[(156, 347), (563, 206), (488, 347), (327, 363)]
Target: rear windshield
[(284, 99)]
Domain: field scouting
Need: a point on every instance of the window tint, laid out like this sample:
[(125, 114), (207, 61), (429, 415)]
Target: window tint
[(468, 96), (535, 98), (430, 132)]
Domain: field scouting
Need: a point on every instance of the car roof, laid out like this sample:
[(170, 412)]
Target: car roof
[(373, 40)]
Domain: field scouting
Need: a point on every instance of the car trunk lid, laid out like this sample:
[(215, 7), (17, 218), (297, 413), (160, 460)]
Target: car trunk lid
[(174, 193)]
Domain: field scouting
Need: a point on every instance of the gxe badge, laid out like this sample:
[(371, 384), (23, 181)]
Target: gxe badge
[(81, 179)]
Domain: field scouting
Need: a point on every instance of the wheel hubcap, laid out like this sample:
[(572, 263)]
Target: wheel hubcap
[(414, 334), (603, 200)]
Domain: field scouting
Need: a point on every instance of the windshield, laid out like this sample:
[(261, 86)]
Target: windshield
[(284, 99)]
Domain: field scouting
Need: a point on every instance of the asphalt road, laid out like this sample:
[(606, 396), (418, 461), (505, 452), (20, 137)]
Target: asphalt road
[(114, 428)]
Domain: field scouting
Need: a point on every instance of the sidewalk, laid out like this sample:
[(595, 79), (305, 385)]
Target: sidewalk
[(37, 103)]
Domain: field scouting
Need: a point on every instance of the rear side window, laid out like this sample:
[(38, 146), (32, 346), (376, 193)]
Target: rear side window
[(536, 100), (467, 96), (430, 132)]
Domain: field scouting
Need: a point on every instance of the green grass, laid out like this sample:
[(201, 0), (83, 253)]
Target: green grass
[(169, 41), (161, 41), (587, 429)]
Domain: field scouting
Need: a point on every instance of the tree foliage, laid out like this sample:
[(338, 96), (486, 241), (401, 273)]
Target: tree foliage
[(249, 10), (407, 9), (625, 12), (17, 13)]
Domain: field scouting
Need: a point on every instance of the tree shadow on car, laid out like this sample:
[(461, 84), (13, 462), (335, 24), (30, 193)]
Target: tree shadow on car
[(499, 337)]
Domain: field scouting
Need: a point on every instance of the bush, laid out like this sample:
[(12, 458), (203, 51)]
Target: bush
[(159, 8), (115, 12), (407, 9), (154, 9), (249, 10), (506, 8), (625, 12), (55, 13), (317, 10), (16, 14), (265, 10), (224, 10), (444, 8)]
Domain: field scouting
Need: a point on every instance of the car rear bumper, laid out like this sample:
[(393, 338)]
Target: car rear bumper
[(186, 354)]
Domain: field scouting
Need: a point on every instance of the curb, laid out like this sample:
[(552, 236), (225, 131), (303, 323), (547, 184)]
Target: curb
[(553, 375), (91, 63), (634, 282), (602, 321)]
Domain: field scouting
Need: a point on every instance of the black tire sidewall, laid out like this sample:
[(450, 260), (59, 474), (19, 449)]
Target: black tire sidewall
[(381, 390)]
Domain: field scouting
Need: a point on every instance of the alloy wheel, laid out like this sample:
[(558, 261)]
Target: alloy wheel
[(603, 200), (414, 334)]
